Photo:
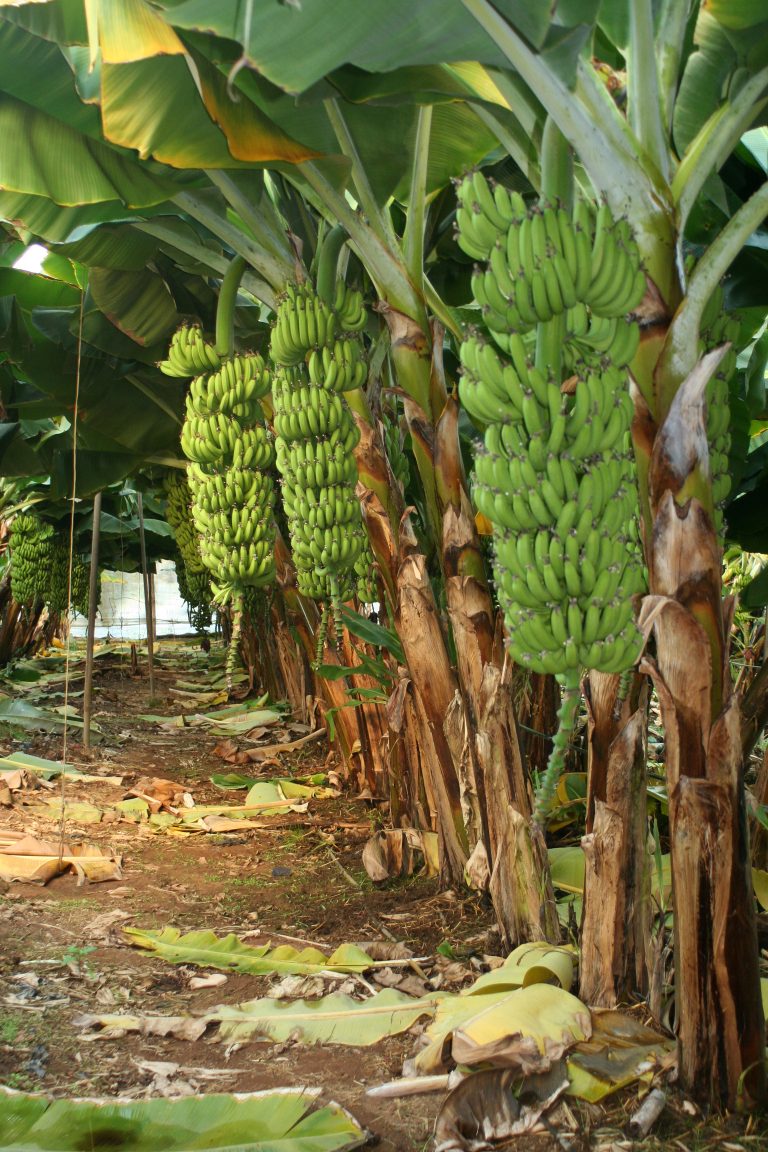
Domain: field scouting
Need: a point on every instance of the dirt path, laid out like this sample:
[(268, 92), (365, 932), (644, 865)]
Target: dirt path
[(299, 879), (296, 879)]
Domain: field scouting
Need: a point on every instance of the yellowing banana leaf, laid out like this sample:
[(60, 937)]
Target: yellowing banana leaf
[(227, 721), (78, 811), (760, 885), (274, 806), (567, 865), (620, 1051), (570, 800), (239, 709), (279, 1120), (235, 780), (134, 808), (334, 1019), (162, 819), (452, 1012), (527, 1028), (244, 721), (271, 791), (208, 950), (37, 861), (48, 769), (534, 963), (163, 721), (201, 696), (531, 1029), (293, 789)]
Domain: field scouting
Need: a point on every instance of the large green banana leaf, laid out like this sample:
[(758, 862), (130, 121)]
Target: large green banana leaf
[(275, 1121)]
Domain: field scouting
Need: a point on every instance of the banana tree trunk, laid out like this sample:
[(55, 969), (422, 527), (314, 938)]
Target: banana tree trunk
[(616, 922), (758, 833), (721, 1032), (520, 883), (538, 697), (470, 757), (435, 689), (360, 750), (18, 627)]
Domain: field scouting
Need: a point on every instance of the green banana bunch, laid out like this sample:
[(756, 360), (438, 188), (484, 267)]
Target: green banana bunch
[(191, 573), (317, 360), (232, 493), (189, 354), (366, 587), (395, 450), (31, 546), (541, 261), (195, 591), (58, 595), (556, 477), (717, 328), (178, 515), (305, 322), (81, 585)]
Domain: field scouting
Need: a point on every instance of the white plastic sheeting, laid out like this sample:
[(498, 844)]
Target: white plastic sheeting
[(121, 614)]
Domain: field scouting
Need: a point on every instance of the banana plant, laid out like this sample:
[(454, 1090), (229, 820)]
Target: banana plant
[(677, 86), (653, 100), (213, 142)]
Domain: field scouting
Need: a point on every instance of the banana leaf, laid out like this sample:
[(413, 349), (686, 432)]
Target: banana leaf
[(208, 950), (281, 1120), (334, 1019)]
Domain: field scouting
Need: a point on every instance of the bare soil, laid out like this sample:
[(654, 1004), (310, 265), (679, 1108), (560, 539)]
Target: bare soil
[(297, 880)]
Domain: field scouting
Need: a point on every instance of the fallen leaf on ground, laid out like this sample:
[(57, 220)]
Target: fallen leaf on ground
[(533, 963), (114, 1026), (620, 1051), (212, 981), (75, 811), (206, 949), (490, 1019), (528, 1030), (335, 1019), (394, 852), (283, 1120), (38, 861), (227, 750), (483, 1109), (159, 793), (49, 769)]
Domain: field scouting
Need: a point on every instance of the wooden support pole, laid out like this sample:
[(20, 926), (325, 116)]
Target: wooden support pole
[(92, 599), (147, 598)]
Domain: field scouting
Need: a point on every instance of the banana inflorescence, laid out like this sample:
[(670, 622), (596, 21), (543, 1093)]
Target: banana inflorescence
[(40, 567), (59, 594), (556, 478), (189, 354), (31, 546), (232, 493), (718, 327), (318, 358), (191, 573)]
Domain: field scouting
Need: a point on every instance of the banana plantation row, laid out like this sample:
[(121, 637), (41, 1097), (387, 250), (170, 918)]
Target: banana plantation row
[(480, 345)]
